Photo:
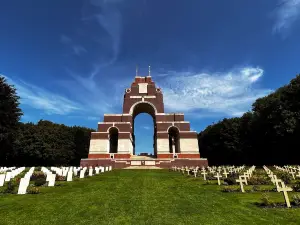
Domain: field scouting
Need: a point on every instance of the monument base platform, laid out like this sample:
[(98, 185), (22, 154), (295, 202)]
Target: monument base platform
[(161, 163)]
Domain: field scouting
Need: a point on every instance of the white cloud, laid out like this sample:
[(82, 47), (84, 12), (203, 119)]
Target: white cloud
[(146, 127), (65, 39), (286, 14), (77, 49), (42, 99), (230, 93)]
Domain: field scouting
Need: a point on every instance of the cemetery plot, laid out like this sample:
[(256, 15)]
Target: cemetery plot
[(283, 180), (30, 180), (135, 196)]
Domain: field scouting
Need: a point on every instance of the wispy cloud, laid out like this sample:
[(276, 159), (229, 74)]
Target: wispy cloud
[(146, 127), (100, 94), (65, 39), (76, 48), (109, 18), (287, 13), (42, 99), (230, 93)]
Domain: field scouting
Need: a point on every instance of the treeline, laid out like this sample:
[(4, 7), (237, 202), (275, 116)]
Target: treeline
[(44, 143), (47, 143), (268, 134)]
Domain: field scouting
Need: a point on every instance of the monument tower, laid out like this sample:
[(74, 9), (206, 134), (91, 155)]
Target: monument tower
[(114, 142)]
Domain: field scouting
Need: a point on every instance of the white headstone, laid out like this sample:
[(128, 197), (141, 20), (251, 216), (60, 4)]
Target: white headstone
[(51, 180), (2, 178), (8, 176), (91, 172), (70, 175), (82, 173), (24, 182)]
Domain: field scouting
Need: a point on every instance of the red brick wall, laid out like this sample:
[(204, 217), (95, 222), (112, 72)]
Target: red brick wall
[(103, 127), (164, 156), (98, 156), (188, 156), (122, 156), (191, 134), (183, 126), (112, 118)]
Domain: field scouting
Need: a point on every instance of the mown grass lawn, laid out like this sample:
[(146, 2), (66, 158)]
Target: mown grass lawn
[(140, 197)]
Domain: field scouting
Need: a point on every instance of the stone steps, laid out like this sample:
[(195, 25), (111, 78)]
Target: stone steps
[(143, 167)]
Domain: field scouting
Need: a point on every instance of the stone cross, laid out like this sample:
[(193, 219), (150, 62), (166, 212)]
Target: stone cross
[(276, 181), (187, 170), (218, 176), (241, 181), (284, 189), (195, 172), (225, 173), (182, 170), (245, 179), (272, 177), (246, 175), (293, 172), (204, 175)]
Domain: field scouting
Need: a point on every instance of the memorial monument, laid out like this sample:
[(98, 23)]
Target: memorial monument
[(114, 142)]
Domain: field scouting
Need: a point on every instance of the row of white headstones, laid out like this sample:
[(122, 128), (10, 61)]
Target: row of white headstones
[(243, 179), (67, 172)]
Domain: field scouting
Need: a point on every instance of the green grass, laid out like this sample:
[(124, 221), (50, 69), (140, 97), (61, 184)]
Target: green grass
[(141, 197)]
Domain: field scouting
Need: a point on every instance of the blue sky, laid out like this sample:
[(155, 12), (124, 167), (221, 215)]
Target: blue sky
[(72, 60)]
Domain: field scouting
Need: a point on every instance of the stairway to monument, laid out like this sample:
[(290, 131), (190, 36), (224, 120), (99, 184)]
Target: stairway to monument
[(142, 167), (138, 157)]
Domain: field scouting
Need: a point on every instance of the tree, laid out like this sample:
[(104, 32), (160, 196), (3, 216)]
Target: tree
[(10, 114), (269, 134)]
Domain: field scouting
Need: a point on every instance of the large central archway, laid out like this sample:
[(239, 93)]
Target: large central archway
[(148, 108)]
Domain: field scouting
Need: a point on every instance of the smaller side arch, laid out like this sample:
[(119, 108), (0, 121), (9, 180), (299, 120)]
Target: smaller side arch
[(173, 126), (174, 139), (108, 130), (113, 136)]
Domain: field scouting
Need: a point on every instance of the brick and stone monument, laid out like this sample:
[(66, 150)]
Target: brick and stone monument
[(114, 142)]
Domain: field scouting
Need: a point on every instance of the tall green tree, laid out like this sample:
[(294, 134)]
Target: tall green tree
[(10, 114), (269, 134), (50, 144)]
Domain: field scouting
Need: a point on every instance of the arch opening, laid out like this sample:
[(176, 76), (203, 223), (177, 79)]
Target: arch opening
[(144, 108), (113, 140), (174, 140)]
